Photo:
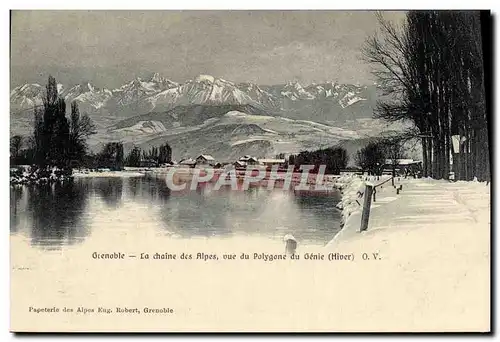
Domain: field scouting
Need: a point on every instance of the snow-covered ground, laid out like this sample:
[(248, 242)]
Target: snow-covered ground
[(434, 241), (421, 202)]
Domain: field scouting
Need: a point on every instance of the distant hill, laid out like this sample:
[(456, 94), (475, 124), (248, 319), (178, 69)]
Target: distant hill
[(189, 115), (230, 134)]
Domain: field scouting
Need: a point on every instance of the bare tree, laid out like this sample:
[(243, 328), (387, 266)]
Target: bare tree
[(371, 158), (430, 69), (394, 151), (81, 127)]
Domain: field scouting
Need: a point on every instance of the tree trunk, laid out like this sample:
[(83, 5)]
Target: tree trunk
[(424, 157)]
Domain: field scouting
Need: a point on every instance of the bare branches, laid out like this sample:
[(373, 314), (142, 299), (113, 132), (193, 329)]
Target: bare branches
[(386, 53), (81, 127), (430, 71)]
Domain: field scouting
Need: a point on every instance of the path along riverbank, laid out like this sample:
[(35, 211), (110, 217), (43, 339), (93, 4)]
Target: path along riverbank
[(433, 239)]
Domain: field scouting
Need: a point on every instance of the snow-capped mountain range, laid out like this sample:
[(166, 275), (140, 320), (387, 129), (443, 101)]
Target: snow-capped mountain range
[(159, 93), (193, 115)]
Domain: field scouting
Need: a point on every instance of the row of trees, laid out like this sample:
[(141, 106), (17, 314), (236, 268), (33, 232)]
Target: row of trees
[(334, 158), (155, 155), (432, 74), (377, 154), (381, 153), (112, 157)]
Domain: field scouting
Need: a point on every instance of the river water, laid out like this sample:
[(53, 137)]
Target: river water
[(60, 215), (57, 231)]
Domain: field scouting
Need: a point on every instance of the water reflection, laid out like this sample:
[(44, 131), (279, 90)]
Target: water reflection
[(149, 189), (319, 211), (58, 215), (110, 190), (208, 212), (16, 195)]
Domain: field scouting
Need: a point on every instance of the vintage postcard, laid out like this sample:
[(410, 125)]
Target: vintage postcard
[(250, 171)]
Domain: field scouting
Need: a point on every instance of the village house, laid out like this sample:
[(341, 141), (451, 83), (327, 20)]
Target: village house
[(249, 160), (205, 160), (351, 171), (240, 164), (187, 163), (403, 166), (268, 162)]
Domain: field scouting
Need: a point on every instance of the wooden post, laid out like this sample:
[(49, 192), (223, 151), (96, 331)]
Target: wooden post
[(366, 206)]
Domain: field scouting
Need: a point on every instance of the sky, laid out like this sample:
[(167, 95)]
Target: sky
[(110, 48)]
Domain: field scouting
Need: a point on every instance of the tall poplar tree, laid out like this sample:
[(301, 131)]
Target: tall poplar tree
[(431, 70)]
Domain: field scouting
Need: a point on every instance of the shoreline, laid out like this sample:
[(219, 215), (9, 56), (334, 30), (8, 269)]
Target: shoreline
[(108, 174), (351, 204)]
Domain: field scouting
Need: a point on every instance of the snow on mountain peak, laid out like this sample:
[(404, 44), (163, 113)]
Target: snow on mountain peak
[(29, 89), (87, 94), (26, 96), (156, 92), (205, 78), (294, 91), (161, 83), (156, 78), (350, 98)]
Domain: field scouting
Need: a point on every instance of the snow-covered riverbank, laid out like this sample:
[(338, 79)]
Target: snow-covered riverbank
[(123, 174), (421, 202), (26, 175), (433, 241)]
